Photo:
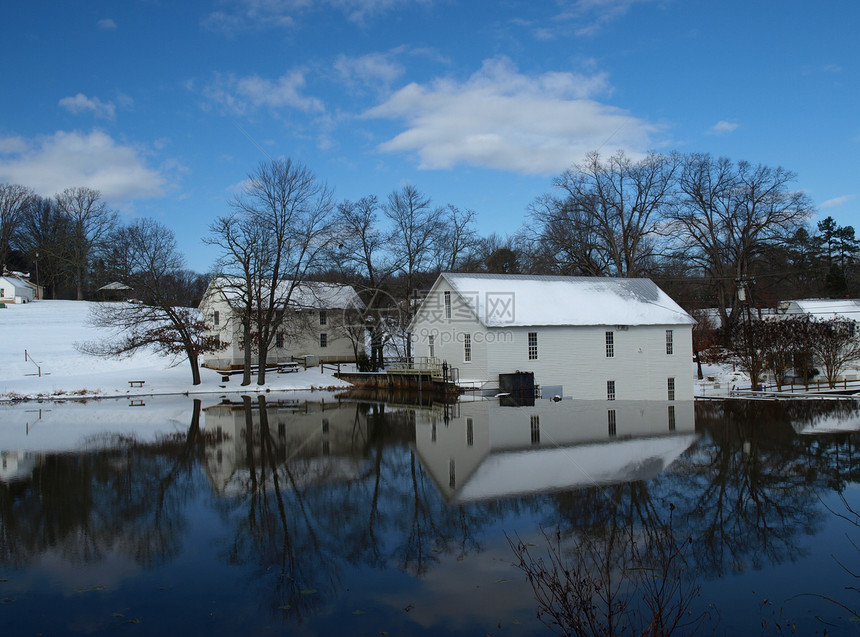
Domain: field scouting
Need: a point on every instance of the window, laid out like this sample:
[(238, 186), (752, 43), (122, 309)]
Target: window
[(470, 432), (610, 344), (325, 425), (326, 448), (216, 319), (452, 475), (431, 342), (323, 340), (532, 346), (534, 422), (669, 346), (670, 386), (323, 317), (610, 417), (467, 348), (279, 339), (671, 417), (447, 296), (610, 390)]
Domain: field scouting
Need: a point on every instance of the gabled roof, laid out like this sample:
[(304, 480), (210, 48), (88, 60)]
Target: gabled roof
[(500, 300), (306, 295)]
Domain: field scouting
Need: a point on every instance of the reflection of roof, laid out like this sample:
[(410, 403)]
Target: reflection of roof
[(548, 469), (297, 473), (308, 294), (828, 423), (566, 300)]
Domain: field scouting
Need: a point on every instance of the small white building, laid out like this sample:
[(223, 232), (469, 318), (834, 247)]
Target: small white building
[(583, 337), (825, 309), (14, 289), (319, 324)]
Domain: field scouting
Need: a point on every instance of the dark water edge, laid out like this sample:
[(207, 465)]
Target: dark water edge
[(331, 517)]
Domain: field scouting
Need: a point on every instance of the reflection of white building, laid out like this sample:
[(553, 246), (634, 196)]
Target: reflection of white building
[(310, 443), (584, 337), (17, 465), (485, 450)]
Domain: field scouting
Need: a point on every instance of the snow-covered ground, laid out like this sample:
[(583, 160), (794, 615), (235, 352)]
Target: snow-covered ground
[(48, 332)]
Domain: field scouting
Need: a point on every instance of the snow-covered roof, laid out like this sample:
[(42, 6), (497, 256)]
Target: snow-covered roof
[(116, 285), (308, 294), (522, 300), (15, 281), (826, 308)]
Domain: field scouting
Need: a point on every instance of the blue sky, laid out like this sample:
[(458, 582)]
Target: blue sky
[(167, 106)]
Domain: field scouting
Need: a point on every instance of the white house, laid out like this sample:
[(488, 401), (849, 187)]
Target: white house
[(14, 289), (583, 337), (318, 324)]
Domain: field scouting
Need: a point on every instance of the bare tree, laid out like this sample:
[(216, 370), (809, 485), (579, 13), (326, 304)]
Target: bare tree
[(90, 223), (13, 201), (608, 220), (165, 319), (293, 211), (416, 228), (728, 216), (362, 256), (835, 345), (457, 237), (239, 237), (45, 237)]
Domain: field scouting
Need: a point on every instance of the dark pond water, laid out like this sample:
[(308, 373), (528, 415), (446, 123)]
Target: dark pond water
[(304, 515)]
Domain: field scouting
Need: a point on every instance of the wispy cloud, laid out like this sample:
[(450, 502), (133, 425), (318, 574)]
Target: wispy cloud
[(375, 70), (80, 103), (837, 201), (107, 24), (242, 95), (502, 119), (243, 14), (722, 128), (585, 17), (50, 163)]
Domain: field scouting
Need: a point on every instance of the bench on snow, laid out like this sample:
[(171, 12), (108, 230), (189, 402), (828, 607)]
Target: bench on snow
[(136, 383)]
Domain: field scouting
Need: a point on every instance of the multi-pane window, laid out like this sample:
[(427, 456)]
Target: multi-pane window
[(470, 432), (532, 346), (452, 474), (216, 319), (534, 423), (670, 386), (447, 297), (431, 343), (610, 390), (279, 339), (323, 317), (610, 344), (671, 417), (670, 348), (323, 340), (325, 425), (610, 417), (467, 348)]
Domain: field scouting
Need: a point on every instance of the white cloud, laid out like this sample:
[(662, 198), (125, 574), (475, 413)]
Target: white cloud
[(502, 119), (107, 24), (52, 163), (244, 94), (837, 201), (80, 103), (722, 127)]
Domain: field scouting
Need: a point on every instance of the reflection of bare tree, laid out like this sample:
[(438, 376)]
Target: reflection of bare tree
[(126, 497), (747, 492)]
